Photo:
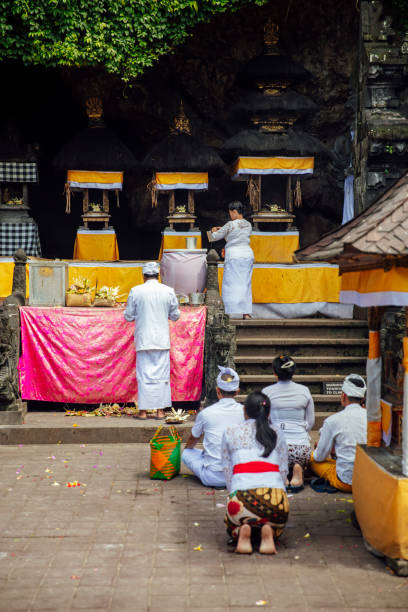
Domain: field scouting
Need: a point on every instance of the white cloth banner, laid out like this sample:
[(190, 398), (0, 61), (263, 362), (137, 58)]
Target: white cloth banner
[(184, 270)]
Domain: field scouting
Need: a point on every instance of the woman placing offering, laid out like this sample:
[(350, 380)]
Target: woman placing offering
[(239, 261), (255, 463)]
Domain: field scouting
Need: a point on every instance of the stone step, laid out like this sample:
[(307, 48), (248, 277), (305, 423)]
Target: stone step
[(312, 364), (55, 428), (303, 341), (293, 328), (299, 378), (305, 360), (309, 322), (302, 347), (325, 404)]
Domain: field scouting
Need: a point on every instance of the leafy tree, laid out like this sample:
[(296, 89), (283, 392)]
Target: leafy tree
[(124, 36)]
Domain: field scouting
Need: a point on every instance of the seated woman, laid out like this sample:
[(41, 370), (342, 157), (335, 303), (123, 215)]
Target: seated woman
[(292, 411), (254, 458), (238, 263)]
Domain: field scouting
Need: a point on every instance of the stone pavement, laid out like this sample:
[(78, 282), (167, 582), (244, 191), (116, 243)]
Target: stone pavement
[(122, 542)]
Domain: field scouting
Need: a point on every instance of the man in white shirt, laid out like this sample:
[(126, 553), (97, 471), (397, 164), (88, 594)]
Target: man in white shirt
[(339, 435), (150, 306), (212, 421)]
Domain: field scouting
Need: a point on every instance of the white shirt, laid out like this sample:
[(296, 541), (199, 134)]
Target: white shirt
[(292, 410), (237, 235), (212, 422), (239, 445), (344, 430), (150, 306)]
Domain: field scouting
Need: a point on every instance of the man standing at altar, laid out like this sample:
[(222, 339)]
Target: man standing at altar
[(150, 306)]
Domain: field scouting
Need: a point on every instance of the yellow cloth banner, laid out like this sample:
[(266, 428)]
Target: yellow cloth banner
[(293, 284), (276, 247), (167, 180), (123, 274), (273, 165), (96, 246), (6, 276), (178, 240), (125, 277), (381, 506), (376, 287), (88, 176)]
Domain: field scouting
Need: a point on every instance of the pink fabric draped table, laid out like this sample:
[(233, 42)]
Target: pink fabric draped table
[(87, 355)]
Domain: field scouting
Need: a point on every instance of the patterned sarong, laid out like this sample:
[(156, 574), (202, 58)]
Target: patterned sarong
[(257, 507)]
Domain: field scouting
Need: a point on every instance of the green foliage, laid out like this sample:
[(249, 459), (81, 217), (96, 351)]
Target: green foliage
[(124, 36)]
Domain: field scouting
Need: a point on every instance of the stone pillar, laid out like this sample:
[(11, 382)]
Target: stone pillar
[(220, 344), (19, 276), (10, 400)]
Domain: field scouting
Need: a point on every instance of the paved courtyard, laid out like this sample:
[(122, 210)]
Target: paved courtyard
[(123, 542)]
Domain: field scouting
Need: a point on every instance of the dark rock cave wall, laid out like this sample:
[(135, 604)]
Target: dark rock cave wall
[(46, 107)]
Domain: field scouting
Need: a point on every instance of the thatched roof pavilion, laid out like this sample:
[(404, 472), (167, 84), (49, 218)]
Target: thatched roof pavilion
[(376, 237)]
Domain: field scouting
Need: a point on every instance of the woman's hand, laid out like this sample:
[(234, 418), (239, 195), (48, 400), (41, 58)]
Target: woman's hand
[(215, 229)]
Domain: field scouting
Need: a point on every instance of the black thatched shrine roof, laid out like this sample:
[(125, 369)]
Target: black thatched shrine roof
[(288, 102), (95, 148), (292, 143), (184, 153), (271, 68)]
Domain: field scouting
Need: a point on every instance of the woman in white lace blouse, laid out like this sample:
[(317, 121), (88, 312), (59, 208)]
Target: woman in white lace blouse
[(255, 463), (238, 263)]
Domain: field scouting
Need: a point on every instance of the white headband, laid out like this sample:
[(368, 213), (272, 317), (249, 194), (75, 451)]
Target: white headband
[(350, 389), (150, 268), (288, 364), (227, 385)]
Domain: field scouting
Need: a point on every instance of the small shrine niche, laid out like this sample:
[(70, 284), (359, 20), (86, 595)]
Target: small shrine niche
[(94, 185), (270, 154), (15, 178), (180, 164)]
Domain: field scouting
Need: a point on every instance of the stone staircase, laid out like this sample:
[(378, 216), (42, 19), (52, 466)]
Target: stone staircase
[(325, 351)]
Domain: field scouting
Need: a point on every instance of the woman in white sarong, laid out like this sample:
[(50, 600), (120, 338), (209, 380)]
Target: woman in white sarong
[(238, 263)]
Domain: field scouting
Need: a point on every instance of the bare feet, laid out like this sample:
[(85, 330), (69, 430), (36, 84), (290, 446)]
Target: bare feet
[(297, 477), (244, 545), (246, 316), (160, 414), (267, 546), (142, 415)]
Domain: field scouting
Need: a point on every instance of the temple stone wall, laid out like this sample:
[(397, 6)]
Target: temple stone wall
[(49, 109), (381, 143)]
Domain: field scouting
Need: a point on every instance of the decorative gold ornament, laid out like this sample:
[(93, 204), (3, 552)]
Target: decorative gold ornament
[(94, 108), (271, 37), (273, 124), (181, 122)]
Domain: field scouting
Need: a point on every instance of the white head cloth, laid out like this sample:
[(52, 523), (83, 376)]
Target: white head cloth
[(227, 385), (351, 389), (150, 268)]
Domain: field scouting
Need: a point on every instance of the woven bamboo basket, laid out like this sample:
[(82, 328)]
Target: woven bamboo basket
[(78, 299), (107, 303)]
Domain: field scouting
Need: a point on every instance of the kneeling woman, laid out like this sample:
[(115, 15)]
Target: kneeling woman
[(238, 263), (255, 462)]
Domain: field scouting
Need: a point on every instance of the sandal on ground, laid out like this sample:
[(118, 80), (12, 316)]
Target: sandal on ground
[(321, 485), (295, 488)]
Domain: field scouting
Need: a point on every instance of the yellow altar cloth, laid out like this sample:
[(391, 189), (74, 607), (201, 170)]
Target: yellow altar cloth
[(381, 506), (96, 245), (274, 247), (375, 287), (124, 274), (293, 284), (178, 240)]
